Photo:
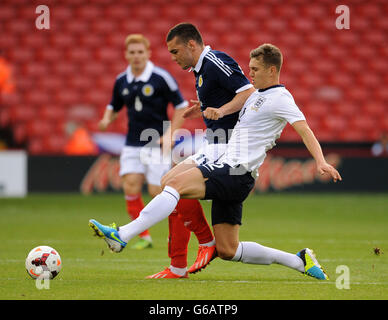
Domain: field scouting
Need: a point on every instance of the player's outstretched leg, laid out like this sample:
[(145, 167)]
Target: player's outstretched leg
[(311, 266), (109, 234)]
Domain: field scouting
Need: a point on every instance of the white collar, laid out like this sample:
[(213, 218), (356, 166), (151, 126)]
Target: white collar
[(200, 60), (144, 77)]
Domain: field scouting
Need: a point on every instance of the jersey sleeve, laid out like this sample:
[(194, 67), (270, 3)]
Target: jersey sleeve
[(228, 73), (171, 89), (177, 100), (286, 109), (116, 103)]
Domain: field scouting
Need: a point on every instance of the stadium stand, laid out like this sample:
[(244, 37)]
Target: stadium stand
[(338, 77)]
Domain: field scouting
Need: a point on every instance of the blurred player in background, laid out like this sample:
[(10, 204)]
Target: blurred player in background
[(229, 180), (146, 90), (219, 82)]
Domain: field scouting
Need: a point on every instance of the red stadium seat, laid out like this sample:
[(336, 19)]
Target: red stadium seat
[(381, 94), (39, 127), (314, 10), (363, 123), (203, 11), (22, 113), (78, 54), (230, 12), (5, 116), (324, 135), (92, 68), (7, 13), (63, 40), (132, 26), (352, 136), (145, 12), (340, 79), (346, 109), (383, 124), (257, 12), (19, 131), (67, 96), (54, 143), (103, 26), (35, 146), (375, 109), (109, 54), (302, 26), (62, 13), (370, 80), (358, 94), (77, 27), (171, 12), (88, 13), (335, 123), (315, 109), (52, 112)]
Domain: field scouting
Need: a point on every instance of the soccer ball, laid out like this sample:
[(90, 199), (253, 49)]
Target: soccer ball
[(43, 262)]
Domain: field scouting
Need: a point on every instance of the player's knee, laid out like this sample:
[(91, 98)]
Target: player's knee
[(225, 253), (154, 190), (131, 186)]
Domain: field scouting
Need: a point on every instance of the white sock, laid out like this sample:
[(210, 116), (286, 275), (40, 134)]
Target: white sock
[(209, 244), (155, 211), (254, 253), (178, 271)]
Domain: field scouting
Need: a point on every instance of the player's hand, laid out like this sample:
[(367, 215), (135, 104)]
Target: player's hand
[(326, 168), (213, 113), (103, 124), (193, 111)]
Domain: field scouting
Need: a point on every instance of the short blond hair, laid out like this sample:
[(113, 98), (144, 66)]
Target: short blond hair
[(137, 38)]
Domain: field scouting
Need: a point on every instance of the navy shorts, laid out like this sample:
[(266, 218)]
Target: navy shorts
[(228, 188)]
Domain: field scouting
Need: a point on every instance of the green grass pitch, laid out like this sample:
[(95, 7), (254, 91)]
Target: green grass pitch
[(343, 229)]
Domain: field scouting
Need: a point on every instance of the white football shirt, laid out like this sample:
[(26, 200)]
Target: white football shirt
[(261, 121)]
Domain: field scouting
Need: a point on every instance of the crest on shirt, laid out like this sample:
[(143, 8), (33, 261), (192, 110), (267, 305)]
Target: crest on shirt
[(200, 81), (259, 102), (125, 92), (147, 90)]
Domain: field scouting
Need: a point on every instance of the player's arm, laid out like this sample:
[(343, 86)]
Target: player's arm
[(109, 116), (313, 146), (232, 106)]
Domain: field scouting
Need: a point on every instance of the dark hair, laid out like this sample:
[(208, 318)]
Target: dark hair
[(270, 54), (185, 32)]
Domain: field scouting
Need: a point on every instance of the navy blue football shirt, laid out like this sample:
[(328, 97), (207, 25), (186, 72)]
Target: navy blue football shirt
[(218, 78), (147, 98)]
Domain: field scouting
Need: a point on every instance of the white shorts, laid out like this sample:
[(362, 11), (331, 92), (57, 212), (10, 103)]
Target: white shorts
[(209, 153), (144, 160)]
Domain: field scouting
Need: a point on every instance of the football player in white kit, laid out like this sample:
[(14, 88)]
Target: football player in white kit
[(229, 180)]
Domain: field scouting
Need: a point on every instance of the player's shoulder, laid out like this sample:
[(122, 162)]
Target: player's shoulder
[(219, 57), (163, 75), (281, 98), (218, 61), (121, 76), (276, 92), (285, 95)]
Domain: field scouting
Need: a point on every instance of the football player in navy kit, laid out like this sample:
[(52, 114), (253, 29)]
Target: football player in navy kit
[(219, 82), (146, 90)]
